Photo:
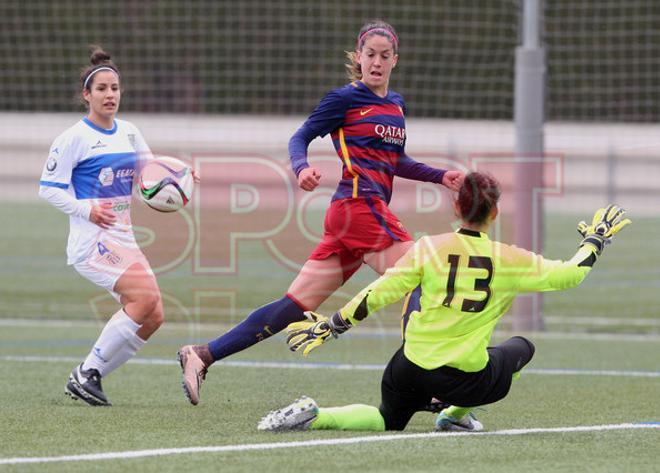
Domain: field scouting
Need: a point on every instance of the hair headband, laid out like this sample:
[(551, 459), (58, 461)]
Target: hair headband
[(378, 29), (102, 68)]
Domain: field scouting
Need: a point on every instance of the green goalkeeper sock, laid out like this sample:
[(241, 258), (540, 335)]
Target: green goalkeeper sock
[(457, 412), (352, 417)]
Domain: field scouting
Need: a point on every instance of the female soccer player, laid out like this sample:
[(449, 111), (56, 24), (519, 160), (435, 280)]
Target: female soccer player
[(468, 283), (89, 176), (366, 122)]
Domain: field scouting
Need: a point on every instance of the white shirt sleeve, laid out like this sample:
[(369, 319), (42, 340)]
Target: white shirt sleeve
[(56, 178), (58, 168), (62, 200)]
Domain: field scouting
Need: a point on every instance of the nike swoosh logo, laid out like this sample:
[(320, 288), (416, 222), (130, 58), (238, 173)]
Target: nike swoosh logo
[(364, 112)]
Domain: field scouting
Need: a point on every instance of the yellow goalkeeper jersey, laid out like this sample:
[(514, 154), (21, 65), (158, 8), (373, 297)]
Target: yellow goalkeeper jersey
[(468, 283)]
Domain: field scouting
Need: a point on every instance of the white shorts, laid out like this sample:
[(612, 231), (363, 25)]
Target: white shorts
[(108, 262)]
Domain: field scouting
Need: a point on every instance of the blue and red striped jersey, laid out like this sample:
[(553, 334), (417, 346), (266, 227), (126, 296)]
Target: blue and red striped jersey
[(369, 135)]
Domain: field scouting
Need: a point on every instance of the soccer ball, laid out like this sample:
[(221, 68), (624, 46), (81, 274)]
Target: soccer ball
[(166, 184)]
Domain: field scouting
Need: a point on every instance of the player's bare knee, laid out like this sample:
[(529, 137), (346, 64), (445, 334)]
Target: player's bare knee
[(149, 303), (157, 316), (142, 305)]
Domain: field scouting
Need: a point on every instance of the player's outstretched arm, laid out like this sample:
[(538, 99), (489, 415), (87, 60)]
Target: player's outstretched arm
[(408, 168), (536, 273)]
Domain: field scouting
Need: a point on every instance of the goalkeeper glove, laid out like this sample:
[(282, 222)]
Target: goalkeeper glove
[(311, 333), (606, 223)]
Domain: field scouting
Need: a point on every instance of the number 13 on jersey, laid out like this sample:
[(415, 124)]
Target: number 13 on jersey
[(480, 284)]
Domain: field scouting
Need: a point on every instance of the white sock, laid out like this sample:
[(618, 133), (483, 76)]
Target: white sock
[(116, 333), (125, 353)]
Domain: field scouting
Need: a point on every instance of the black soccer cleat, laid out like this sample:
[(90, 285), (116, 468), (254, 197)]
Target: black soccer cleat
[(86, 386)]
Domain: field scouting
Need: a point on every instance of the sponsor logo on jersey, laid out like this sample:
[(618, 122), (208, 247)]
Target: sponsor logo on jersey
[(131, 139), (125, 174), (55, 151), (106, 177), (121, 206), (364, 112), (391, 134), (51, 164)]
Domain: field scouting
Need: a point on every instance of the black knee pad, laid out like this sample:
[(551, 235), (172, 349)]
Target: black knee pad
[(525, 352), (394, 421), (517, 351)]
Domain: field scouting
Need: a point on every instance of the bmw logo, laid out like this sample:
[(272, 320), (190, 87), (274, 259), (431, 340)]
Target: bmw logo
[(51, 164)]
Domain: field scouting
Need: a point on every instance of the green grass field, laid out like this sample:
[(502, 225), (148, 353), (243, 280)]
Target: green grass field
[(592, 368), (150, 412)]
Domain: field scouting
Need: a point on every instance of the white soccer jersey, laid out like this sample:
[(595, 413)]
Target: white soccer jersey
[(96, 165)]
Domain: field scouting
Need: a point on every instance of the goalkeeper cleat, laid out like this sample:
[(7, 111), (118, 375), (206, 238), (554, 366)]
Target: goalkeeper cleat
[(298, 415), (447, 423), (86, 386), (193, 371)]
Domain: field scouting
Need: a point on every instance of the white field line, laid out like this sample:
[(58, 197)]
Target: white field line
[(625, 321), (365, 331), (591, 337), (313, 443), (330, 366), (553, 319)]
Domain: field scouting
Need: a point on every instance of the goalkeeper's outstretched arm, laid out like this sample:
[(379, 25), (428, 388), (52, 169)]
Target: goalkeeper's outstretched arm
[(392, 286), (553, 275)]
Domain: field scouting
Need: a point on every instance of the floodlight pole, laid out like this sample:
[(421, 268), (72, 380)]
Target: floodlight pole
[(529, 115)]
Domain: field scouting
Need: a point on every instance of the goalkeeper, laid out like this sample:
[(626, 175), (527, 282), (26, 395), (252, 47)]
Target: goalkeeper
[(467, 283)]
